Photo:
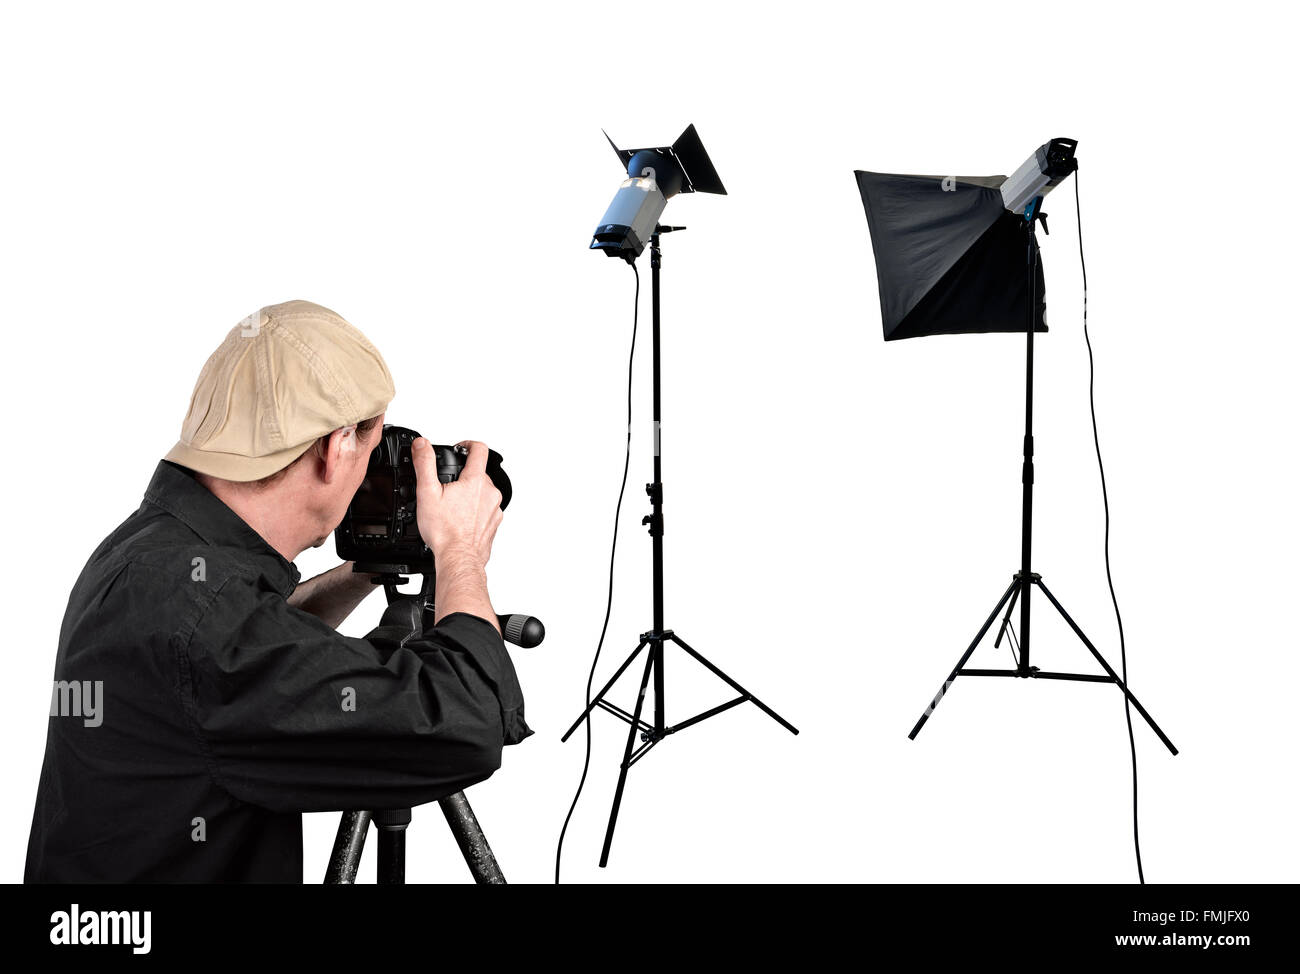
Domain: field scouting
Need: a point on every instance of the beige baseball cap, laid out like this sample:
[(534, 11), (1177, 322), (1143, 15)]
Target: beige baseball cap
[(285, 376)]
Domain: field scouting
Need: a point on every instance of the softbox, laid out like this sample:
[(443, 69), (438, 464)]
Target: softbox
[(950, 258)]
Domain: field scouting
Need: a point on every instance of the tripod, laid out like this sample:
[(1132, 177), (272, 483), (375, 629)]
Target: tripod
[(1025, 580), (410, 612), (391, 823), (658, 637)]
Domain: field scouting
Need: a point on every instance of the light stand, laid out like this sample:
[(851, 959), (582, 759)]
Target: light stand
[(1024, 581), (656, 639)]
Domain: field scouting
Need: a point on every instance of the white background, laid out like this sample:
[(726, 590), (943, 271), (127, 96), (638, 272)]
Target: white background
[(841, 513)]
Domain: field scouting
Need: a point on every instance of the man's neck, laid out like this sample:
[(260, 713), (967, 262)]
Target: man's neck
[(262, 511)]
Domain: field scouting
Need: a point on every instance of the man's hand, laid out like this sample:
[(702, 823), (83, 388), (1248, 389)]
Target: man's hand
[(458, 521)]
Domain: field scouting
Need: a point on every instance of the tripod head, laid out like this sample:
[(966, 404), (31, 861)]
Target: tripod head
[(414, 611)]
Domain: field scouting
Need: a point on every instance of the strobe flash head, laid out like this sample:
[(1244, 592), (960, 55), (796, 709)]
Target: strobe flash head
[(626, 226), (654, 176), (1049, 164)]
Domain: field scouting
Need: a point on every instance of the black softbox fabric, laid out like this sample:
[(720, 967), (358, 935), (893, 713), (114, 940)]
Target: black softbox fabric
[(950, 259)]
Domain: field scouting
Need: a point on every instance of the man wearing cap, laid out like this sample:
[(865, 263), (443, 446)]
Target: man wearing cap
[(227, 704)]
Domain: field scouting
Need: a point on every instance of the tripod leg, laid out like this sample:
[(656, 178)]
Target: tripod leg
[(735, 686), (1106, 666), (1006, 619), (348, 843), (604, 690), (1015, 585), (627, 759), (473, 843)]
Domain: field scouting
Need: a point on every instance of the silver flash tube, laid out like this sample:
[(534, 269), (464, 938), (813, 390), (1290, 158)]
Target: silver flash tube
[(1049, 164)]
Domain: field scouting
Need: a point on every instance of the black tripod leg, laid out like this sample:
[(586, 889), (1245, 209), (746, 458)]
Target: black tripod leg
[(1006, 619), (348, 843), (473, 843), (627, 758), (735, 686), (1014, 586), (603, 690), (1106, 666)]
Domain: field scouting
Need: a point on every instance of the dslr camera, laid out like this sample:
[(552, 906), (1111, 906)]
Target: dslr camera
[(379, 530)]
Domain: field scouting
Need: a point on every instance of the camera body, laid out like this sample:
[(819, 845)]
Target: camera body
[(379, 532)]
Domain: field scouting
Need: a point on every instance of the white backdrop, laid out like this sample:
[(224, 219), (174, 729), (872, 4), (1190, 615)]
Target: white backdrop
[(841, 513)]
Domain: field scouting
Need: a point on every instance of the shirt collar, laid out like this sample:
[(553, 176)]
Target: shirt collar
[(175, 490)]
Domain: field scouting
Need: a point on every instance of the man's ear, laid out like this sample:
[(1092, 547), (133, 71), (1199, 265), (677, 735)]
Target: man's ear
[(340, 451)]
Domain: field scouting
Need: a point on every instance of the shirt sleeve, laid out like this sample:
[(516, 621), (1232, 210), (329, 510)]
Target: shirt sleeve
[(292, 716)]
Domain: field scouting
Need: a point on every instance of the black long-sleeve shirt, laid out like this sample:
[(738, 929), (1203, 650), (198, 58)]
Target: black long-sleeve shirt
[(212, 714)]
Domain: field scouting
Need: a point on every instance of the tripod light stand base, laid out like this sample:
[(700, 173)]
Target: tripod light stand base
[(652, 733), (1021, 586)]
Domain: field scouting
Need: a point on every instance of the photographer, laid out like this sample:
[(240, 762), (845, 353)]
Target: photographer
[(227, 703)]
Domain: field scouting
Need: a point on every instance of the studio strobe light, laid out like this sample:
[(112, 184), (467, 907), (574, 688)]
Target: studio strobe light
[(959, 255), (654, 177), (629, 225), (1038, 174)]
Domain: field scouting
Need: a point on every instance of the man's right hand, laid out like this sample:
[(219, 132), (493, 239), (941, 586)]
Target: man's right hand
[(458, 521)]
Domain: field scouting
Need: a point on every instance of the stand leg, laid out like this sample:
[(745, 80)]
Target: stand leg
[(604, 690), (1106, 666), (734, 685), (473, 843), (1015, 584), (1006, 619), (349, 841), (627, 758)]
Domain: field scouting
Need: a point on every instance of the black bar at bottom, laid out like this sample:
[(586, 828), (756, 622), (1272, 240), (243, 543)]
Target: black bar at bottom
[(1089, 918)]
